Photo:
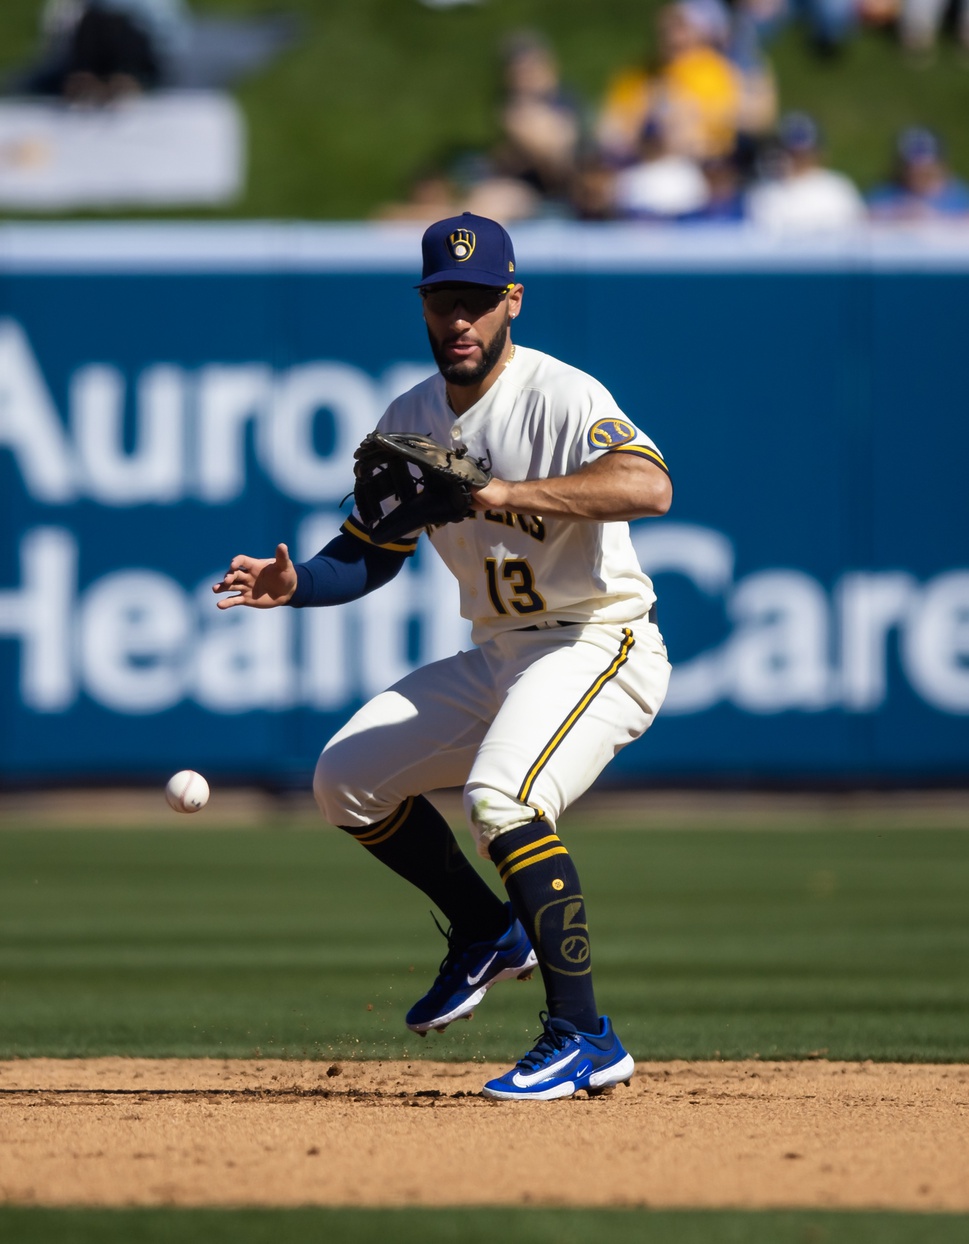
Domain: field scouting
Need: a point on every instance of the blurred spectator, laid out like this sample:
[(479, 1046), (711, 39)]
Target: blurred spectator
[(99, 49), (540, 120), (467, 182), (920, 22), (829, 23), (726, 200), (758, 89), (661, 184), (531, 169), (922, 186), (505, 199), (765, 17), (592, 194), (797, 193), (433, 196), (880, 14), (699, 95), (700, 92)]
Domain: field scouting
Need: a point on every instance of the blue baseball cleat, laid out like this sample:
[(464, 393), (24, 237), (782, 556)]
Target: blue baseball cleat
[(468, 972), (564, 1061)]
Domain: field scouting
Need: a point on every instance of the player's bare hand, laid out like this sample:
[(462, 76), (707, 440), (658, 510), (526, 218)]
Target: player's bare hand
[(492, 496), (260, 582)]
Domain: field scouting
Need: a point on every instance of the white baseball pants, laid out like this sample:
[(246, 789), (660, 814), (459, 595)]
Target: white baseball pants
[(525, 724)]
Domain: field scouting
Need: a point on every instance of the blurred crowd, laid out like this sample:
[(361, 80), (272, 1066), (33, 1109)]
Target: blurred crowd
[(689, 133), (692, 133)]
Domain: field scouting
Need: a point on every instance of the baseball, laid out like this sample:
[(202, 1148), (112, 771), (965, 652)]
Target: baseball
[(187, 791)]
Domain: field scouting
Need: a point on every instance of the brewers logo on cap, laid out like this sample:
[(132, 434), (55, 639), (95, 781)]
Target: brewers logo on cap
[(460, 245), (468, 249)]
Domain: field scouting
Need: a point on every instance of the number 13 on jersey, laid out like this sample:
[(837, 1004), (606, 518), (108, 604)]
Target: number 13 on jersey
[(511, 586)]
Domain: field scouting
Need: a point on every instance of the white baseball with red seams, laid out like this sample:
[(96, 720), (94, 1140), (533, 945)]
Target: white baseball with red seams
[(187, 791)]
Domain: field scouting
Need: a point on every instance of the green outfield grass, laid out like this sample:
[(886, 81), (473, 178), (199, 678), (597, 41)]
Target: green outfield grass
[(707, 943), (473, 1226)]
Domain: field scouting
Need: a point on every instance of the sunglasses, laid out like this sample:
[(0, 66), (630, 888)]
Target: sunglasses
[(477, 300)]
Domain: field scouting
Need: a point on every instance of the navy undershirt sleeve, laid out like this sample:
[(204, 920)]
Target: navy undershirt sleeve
[(345, 570)]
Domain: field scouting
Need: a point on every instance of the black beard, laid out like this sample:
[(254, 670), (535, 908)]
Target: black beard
[(490, 354)]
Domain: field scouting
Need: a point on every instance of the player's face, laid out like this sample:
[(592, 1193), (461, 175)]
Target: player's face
[(467, 326)]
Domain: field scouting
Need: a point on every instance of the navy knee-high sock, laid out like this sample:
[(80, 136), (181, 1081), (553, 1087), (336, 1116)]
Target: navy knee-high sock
[(417, 843), (544, 888)]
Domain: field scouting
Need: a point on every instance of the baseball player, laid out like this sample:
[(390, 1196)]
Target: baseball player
[(567, 664)]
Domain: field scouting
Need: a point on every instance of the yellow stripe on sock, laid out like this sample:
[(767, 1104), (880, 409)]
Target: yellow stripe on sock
[(504, 873), (373, 835), (514, 855)]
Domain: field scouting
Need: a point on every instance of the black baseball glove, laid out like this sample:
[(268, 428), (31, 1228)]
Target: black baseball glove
[(431, 483)]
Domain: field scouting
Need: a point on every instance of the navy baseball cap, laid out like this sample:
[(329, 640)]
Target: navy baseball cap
[(799, 132), (471, 249), (917, 144)]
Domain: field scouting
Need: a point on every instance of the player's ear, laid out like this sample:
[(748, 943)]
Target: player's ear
[(515, 300)]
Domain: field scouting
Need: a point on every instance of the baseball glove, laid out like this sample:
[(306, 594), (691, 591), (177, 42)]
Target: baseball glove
[(431, 483)]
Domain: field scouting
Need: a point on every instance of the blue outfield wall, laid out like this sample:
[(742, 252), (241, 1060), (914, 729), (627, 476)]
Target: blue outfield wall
[(172, 395)]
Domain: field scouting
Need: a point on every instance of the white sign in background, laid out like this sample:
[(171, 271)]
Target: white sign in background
[(164, 149)]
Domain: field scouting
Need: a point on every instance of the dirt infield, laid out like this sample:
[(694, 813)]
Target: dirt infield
[(111, 1132)]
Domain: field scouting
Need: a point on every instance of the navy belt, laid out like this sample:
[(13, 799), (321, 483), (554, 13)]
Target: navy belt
[(650, 617), (558, 622)]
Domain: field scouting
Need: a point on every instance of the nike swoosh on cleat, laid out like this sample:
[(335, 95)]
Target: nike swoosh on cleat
[(545, 1073), (473, 980)]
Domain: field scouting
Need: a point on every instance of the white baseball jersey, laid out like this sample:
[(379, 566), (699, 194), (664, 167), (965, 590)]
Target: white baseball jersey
[(540, 419)]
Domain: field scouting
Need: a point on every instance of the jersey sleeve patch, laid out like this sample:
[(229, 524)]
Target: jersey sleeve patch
[(644, 451), (610, 433), (406, 545)]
